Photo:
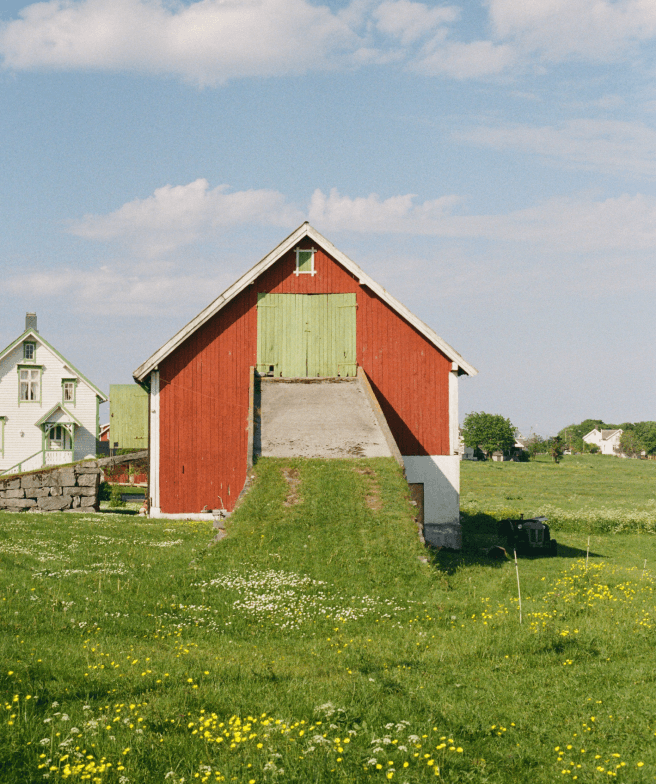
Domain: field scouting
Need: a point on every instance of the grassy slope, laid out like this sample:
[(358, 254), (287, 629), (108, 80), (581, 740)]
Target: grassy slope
[(111, 616)]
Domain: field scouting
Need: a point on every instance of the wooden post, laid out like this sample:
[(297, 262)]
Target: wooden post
[(519, 592)]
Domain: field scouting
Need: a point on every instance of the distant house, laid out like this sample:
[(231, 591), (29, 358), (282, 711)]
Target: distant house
[(103, 433), (128, 417), (48, 409), (304, 311), (608, 441)]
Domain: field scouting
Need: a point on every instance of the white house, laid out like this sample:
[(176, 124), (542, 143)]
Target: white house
[(48, 409), (608, 441)]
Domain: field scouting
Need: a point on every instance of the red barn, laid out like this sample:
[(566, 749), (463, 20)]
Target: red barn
[(199, 381)]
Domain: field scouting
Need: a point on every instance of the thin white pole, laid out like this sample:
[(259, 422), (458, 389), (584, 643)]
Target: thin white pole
[(587, 555), (644, 566), (519, 592)]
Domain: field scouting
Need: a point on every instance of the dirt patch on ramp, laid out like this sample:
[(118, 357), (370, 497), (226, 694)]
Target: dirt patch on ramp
[(293, 479), (372, 498)]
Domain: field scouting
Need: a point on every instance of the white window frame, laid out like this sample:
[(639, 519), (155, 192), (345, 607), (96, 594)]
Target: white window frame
[(30, 381), (312, 270)]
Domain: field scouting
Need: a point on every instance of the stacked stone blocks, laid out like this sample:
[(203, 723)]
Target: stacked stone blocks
[(58, 489)]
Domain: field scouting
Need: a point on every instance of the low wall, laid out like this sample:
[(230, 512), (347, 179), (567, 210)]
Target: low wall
[(54, 490)]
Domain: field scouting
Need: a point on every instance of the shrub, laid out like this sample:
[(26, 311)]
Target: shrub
[(115, 499), (104, 491)]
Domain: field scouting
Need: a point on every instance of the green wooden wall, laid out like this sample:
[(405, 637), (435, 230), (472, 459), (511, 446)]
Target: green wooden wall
[(306, 335), (128, 417)]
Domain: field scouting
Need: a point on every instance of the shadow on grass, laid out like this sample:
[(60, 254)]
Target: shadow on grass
[(479, 534), (565, 551), (117, 510)]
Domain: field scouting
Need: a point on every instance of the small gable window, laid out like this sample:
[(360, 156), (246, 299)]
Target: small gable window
[(29, 351), (305, 261)]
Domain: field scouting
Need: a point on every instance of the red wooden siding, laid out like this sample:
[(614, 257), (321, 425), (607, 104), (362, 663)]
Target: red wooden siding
[(204, 386)]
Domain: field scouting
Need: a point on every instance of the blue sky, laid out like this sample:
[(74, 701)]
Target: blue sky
[(492, 164)]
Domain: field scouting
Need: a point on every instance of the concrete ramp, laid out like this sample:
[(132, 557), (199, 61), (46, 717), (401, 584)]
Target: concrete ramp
[(318, 418)]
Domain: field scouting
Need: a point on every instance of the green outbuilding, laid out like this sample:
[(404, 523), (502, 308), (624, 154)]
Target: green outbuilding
[(128, 417)]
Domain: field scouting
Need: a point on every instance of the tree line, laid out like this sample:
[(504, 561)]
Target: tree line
[(489, 433), (636, 437)]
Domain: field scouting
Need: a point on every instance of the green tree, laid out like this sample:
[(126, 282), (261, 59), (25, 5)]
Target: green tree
[(630, 443), (646, 432), (488, 432), (556, 448), (535, 445)]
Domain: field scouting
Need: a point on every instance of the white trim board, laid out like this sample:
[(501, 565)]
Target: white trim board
[(277, 253)]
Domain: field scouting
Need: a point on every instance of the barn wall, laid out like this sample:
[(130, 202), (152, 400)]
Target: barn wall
[(204, 386)]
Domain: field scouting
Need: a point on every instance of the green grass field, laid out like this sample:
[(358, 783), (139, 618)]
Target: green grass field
[(591, 493), (314, 644)]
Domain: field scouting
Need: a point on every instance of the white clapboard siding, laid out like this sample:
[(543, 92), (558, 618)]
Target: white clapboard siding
[(22, 437)]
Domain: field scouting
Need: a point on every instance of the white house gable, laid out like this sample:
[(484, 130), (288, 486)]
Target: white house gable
[(48, 409)]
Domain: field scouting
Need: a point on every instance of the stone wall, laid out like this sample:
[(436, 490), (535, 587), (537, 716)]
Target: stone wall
[(57, 489)]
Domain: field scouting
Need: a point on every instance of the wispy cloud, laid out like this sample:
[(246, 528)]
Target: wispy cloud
[(114, 290), (603, 145), (208, 42), (205, 42), (575, 224), (557, 30), (181, 214)]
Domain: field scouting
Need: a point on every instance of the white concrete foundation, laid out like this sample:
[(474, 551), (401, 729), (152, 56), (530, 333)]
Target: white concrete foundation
[(158, 514), (440, 475)]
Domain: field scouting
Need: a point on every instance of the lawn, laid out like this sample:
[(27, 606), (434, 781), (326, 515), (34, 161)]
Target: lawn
[(583, 492), (319, 642)]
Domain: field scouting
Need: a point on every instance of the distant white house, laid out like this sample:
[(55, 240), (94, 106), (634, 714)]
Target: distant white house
[(608, 441), (48, 409)]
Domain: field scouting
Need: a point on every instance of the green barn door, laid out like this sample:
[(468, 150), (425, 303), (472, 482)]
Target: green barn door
[(306, 335)]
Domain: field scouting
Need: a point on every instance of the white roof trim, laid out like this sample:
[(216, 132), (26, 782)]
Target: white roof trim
[(249, 277)]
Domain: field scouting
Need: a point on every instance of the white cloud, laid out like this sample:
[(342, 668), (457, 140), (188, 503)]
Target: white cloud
[(466, 60), (566, 225), (560, 29), (370, 214), (115, 291), (211, 41), (411, 21), (604, 145), (206, 42), (179, 215)]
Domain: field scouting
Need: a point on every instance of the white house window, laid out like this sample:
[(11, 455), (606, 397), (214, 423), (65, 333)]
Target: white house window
[(30, 384), (305, 261), (68, 391), (29, 351)]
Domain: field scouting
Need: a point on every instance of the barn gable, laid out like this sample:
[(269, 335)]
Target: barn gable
[(199, 379)]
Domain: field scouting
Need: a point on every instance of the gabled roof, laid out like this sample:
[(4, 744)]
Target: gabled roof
[(271, 258), (606, 434), (34, 335), (70, 419)]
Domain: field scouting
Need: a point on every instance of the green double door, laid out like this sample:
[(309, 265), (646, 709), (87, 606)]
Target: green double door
[(306, 335)]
